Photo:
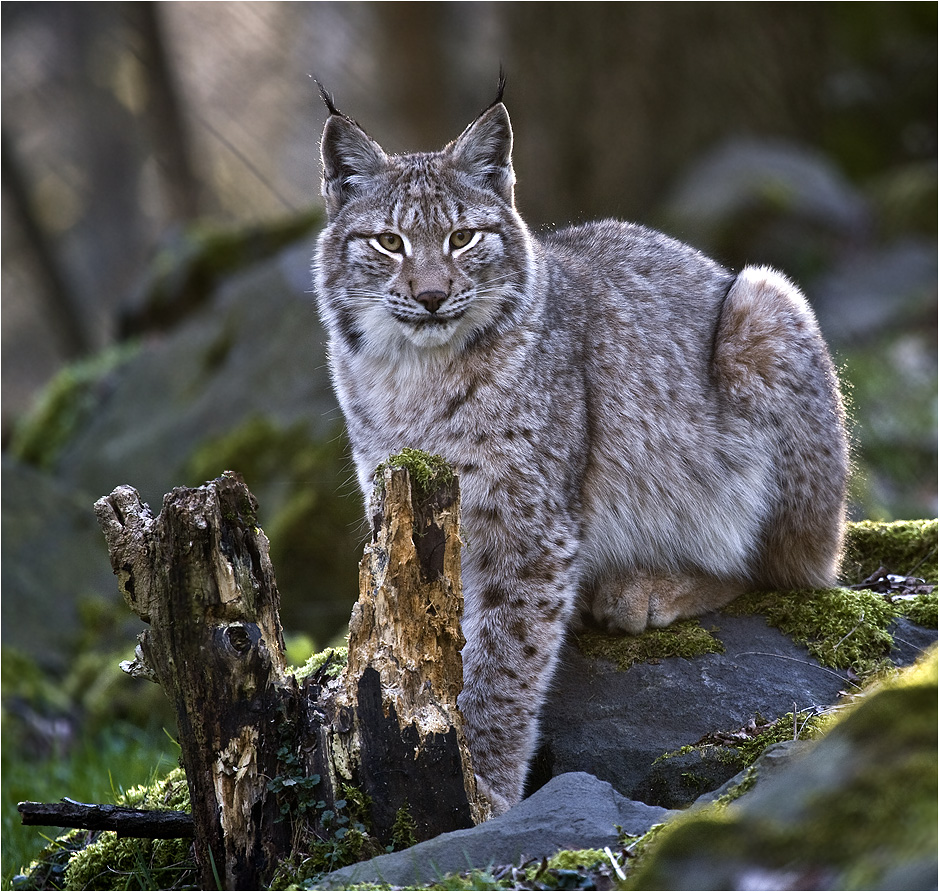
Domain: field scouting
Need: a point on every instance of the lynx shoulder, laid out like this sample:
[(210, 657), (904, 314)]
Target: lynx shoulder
[(641, 434)]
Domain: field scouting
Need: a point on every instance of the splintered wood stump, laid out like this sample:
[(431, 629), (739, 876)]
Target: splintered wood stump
[(405, 671), (200, 575), (253, 737)]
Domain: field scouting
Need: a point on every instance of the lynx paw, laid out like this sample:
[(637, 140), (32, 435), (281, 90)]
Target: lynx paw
[(647, 600), (499, 803)]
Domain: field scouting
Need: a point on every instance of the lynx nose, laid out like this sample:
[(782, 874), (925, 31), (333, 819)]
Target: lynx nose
[(431, 300)]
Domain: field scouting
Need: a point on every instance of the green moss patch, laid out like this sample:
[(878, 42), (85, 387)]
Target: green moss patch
[(428, 471), (841, 628), (905, 547), (846, 628), (567, 869), (682, 639), (922, 610), (573, 859), (64, 406), (334, 660), (804, 725), (102, 860)]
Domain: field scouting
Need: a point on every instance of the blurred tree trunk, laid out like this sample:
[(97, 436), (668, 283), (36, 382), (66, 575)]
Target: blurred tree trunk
[(167, 124), (409, 41), (612, 100), (64, 312)]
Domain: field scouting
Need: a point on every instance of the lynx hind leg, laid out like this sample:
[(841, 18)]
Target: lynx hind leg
[(641, 600), (772, 363)]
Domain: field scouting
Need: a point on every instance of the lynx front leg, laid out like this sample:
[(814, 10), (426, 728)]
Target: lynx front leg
[(514, 631)]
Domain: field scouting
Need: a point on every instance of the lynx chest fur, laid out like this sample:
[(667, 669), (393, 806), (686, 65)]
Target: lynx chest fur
[(640, 434)]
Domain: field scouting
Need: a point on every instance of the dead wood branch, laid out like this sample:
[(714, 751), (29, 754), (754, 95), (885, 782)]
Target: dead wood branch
[(136, 822)]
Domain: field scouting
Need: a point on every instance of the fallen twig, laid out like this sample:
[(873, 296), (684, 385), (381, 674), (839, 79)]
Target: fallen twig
[(145, 823)]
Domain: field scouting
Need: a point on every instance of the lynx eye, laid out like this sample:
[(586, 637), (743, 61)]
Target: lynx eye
[(461, 238), (391, 241)]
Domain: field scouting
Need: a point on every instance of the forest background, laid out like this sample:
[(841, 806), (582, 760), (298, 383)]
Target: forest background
[(796, 134)]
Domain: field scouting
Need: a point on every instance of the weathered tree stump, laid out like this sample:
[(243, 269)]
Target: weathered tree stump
[(200, 575), (260, 747), (405, 671)]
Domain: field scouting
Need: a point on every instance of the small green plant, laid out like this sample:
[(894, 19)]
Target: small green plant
[(330, 661), (403, 830), (326, 835), (427, 470)]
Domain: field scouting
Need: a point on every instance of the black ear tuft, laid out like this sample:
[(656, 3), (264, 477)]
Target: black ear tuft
[(328, 99), (501, 89), (350, 158)]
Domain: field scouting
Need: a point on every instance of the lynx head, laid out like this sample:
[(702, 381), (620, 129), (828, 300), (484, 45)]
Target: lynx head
[(423, 252)]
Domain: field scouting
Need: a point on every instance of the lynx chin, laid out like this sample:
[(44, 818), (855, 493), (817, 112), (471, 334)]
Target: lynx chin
[(641, 435)]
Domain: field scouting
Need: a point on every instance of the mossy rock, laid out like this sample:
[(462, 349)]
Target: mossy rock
[(314, 524), (858, 812), (842, 628), (678, 779), (191, 261), (64, 405)]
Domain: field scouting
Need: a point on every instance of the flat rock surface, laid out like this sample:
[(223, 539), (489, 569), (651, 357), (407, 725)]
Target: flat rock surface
[(572, 811)]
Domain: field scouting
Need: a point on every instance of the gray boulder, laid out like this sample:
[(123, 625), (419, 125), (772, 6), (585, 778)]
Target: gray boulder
[(572, 811), (54, 556), (241, 384), (615, 724), (854, 810)]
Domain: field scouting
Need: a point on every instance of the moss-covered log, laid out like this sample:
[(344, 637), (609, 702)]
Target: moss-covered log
[(269, 758)]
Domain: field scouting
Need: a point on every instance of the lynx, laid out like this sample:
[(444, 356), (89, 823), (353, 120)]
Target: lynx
[(641, 435)]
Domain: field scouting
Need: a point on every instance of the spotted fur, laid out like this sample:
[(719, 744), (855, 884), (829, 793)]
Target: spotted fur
[(640, 433)]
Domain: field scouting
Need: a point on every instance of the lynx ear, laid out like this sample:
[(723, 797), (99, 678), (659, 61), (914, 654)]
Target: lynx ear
[(484, 151), (350, 158)]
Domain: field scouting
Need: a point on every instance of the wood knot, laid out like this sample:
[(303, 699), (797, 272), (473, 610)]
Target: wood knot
[(238, 639)]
